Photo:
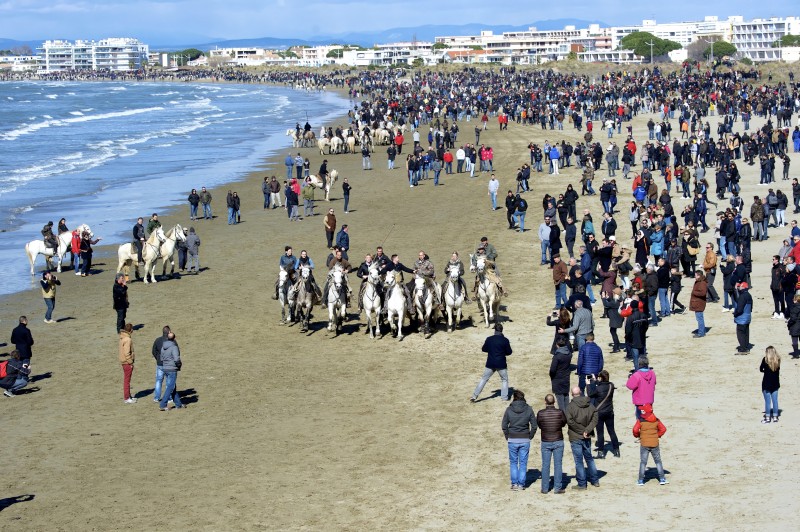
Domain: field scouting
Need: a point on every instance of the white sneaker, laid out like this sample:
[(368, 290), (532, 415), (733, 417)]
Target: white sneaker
[(77, 273), (780, 316), (774, 315), (725, 309), (130, 401)]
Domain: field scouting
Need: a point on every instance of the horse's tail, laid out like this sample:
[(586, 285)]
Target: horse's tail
[(31, 257)]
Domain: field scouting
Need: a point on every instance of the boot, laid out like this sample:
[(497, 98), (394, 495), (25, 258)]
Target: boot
[(275, 295), (615, 452)]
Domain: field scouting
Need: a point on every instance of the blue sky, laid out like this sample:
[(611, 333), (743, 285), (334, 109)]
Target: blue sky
[(177, 21)]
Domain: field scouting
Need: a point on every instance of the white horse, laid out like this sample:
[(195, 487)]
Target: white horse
[(350, 144), (285, 296), (422, 299), (453, 299), (127, 254), (34, 248), (337, 300), (488, 294), (167, 248), (304, 298), (316, 182), (336, 145), (322, 144), (395, 304), (371, 302), (293, 133)]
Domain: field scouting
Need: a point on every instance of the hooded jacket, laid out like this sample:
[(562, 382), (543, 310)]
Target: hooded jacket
[(581, 417), (518, 421), (560, 370), (649, 429), (744, 308), (125, 348), (643, 385), (170, 356), (157, 345)]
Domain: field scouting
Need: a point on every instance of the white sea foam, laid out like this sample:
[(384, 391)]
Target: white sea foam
[(32, 128), (118, 88), (168, 93), (51, 96), (76, 113)]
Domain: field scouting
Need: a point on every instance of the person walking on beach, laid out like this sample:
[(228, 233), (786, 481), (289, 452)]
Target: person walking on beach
[(560, 371), (275, 192), (237, 207), (649, 429), (120, 294), (519, 428), (194, 203), (22, 339), (642, 382), (156, 351), (391, 154), (770, 384), (138, 239), (697, 302), (497, 348), (289, 162), (298, 166), (366, 161), (48, 284), (742, 316), (87, 252), (581, 421), (265, 191), (171, 362), (126, 358), (346, 188), (193, 250), (601, 392), (330, 227), (229, 202), (308, 199), (552, 421), (205, 199)]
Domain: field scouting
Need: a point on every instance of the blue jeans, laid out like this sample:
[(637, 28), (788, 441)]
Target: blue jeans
[(51, 304), (701, 324), (561, 295), (289, 171), (207, 211), (545, 251), (518, 459), (582, 450), (635, 354), (346, 201), (230, 215), (19, 383), (520, 220), (193, 210), (590, 293), (488, 372), (556, 450), (170, 390), (493, 196), (651, 304), (770, 397), (436, 177), (159, 379), (664, 300), (266, 202)]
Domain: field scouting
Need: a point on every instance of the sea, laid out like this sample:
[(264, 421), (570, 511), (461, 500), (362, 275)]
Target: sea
[(105, 153)]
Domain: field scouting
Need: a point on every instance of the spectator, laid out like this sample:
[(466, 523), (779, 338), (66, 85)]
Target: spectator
[(581, 421), (48, 285), (590, 362), (642, 383), (552, 421), (697, 303), (497, 348), (171, 362), (17, 372), (649, 429), (120, 294), (770, 384), (601, 392), (126, 358), (22, 339), (742, 316), (519, 427)]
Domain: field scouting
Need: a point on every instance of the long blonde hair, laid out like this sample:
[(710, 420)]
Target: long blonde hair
[(773, 358)]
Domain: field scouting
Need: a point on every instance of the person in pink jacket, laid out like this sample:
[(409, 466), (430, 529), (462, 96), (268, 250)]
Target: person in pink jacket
[(642, 383)]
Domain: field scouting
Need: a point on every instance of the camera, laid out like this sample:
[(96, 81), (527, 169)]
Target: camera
[(631, 372)]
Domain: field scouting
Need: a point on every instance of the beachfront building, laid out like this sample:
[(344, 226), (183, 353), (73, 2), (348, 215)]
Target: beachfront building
[(683, 33), (399, 53), (754, 39), (251, 56), (119, 54)]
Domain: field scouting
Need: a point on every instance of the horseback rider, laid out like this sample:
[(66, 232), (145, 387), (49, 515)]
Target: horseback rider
[(456, 264), (382, 260), (323, 173), (50, 241), (396, 266), (334, 260), (363, 273), (153, 224), (424, 268), (489, 268), (139, 238), (289, 263), (305, 261)]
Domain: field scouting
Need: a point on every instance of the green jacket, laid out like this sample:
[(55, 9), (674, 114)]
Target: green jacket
[(152, 225), (581, 417), (308, 193)]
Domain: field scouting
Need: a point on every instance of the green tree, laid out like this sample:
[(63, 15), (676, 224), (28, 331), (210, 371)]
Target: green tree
[(476, 47), (191, 53), (440, 46), (639, 42), (335, 53), (721, 49), (418, 62), (788, 40), (746, 61), (572, 56)]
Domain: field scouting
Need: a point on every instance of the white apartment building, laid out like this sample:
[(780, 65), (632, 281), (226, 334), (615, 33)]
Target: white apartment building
[(683, 33), (753, 39), (118, 54)]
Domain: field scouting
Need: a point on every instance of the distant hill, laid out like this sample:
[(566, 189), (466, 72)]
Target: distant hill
[(8, 44)]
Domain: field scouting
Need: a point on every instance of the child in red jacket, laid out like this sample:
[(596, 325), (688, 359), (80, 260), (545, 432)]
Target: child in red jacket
[(649, 430)]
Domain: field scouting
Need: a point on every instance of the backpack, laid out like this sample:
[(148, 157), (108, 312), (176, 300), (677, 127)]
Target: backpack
[(3, 369), (522, 206)]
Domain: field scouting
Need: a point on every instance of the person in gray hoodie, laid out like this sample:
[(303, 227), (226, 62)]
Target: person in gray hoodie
[(581, 421), (171, 362), (157, 345), (519, 427), (192, 248)]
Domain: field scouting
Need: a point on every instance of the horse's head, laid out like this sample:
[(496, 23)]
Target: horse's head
[(480, 264), (283, 276), (178, 232), (374, 275), (305, 273), (85, 228), (337, 276), (471, 266), (419, 282), (454, 273), (391, 279), (159, 232)]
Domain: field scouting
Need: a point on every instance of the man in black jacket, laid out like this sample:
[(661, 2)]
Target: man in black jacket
[(120, 294), (511, 207), (560, 372), (497, 347), (139, 238), (22, 339)]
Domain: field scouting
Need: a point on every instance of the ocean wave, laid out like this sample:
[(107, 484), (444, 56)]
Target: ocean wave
[(118, 88), (168, 93), (51, 96), (9, 98), (32, 128), (76, 113)]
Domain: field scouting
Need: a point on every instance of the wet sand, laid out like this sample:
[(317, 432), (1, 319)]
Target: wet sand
[(287, 430)]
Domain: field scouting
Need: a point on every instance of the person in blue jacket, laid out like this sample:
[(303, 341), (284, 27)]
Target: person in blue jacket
[(497, 348)]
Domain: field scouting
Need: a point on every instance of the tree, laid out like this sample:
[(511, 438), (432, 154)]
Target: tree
[(572, 56), (638, 41), (721, 49), (440, 46), (476, 47), (746, 61), (787, 40), (22, 50), (192, 53), (418, 62), (335, 53)]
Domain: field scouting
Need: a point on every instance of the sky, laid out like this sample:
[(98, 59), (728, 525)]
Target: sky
[(200, 21)]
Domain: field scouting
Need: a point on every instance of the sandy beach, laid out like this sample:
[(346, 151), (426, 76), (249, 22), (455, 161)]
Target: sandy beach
[(286, 430)]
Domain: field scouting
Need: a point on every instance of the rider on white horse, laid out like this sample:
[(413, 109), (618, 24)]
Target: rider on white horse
[(333, 260), (489, 268), (456, 264), (424, 268), (305, 260), (396, 266), (287, 262), (50, 240)]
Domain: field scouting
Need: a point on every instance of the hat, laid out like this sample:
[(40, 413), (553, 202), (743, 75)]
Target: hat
[(743, 285), (612, 238), (646, 410)]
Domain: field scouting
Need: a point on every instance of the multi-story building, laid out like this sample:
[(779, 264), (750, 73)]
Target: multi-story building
[(755, 39), (107, 54)]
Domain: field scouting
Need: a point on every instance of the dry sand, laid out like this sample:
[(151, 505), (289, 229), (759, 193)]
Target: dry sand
[(286, 430)]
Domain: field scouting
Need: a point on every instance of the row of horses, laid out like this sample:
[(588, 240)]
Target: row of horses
[(335, 145), (159, 246), (297, 300)]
